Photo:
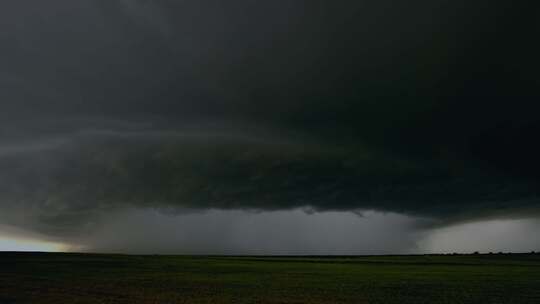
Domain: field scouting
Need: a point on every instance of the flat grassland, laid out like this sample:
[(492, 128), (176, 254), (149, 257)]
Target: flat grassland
[(87, 278)]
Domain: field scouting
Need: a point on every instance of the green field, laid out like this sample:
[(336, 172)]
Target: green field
[(83, 278)]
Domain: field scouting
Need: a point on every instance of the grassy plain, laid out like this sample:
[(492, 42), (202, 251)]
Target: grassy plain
[(87, 278)]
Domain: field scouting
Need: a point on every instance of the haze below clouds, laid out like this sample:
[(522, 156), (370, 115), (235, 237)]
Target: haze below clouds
[(296, 232)]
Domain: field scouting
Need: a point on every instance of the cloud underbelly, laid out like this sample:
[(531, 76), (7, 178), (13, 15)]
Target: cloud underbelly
[(67, 182)]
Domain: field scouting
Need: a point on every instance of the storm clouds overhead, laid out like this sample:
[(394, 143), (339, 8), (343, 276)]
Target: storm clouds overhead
[(424, 112)]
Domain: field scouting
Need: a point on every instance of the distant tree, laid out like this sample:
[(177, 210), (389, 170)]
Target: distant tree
[(476, 253)]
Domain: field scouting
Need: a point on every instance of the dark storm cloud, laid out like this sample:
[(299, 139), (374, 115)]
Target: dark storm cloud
[(419, 107), (61, 184)]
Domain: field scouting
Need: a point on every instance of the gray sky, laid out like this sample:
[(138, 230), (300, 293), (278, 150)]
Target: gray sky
[(425, 110)]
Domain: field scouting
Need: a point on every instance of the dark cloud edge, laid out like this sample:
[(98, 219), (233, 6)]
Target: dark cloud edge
[(87, 174)]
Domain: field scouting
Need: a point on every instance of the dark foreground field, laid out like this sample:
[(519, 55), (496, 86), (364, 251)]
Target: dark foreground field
[(78, 278)]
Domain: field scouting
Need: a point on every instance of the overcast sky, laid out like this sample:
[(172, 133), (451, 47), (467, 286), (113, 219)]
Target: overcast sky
[(202, 126)]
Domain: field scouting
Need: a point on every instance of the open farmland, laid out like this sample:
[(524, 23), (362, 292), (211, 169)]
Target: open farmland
[(89, 278)]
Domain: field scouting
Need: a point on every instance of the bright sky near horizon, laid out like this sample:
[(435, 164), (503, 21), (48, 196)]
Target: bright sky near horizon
[(16, 244)]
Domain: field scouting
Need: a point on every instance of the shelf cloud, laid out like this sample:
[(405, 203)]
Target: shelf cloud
[(423, 108)]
